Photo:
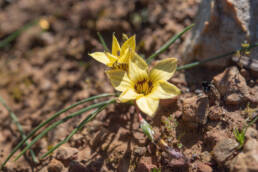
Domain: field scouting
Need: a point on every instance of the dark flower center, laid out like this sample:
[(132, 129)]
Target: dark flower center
[(143, 87)]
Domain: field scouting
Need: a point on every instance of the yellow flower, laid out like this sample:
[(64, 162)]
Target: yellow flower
[(119, 57), (143, 85)]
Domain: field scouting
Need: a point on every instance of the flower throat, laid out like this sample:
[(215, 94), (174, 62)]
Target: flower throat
[(143, 87)]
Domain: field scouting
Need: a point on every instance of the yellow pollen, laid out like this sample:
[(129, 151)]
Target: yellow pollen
[(143, 87)]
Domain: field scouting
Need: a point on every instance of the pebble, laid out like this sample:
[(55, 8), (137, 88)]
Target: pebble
[(55, 166), (65, 153), (223, 149)]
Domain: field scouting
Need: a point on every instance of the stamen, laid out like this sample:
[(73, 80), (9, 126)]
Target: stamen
[(143, 87), (122, 66)]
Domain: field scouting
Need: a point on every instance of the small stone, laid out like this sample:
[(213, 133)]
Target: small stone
[(233, 99), (251, 133), (55, 166), (140, 151), (250, 145), (145, 164), (202, 167), (223, 149), (65, 153), (247, 160), (232, 85), (206, 156), (195, 110), (75, 166), (214, 136), (215, 113), (178, 163), (84, 154)]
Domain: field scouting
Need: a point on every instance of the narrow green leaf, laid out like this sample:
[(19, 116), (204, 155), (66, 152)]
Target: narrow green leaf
[(194, 64), (51, 119), (55, 124), (168, 43), (16, 121), (15, 34), (79, 127), (101, 39)]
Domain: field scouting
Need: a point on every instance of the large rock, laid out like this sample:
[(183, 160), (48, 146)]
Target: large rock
[(233, 88), (224, 149), (221, 26), (246, 161)]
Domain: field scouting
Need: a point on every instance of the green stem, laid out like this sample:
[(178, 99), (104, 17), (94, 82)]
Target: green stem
[(168, 43), (79, 127), (194, 64), (15, 120)]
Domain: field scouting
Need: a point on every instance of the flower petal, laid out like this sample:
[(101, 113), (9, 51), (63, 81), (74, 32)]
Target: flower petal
[(163, 70), (127, 95), (124, 58), (100, 57), (164, 90), (148, 105), (115, 47), (129, 43), (119, 79), (112, 59), (138, 68)]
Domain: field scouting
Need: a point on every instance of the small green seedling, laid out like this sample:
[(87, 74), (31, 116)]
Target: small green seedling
[(240, 137), (155, 170), (240, 134)]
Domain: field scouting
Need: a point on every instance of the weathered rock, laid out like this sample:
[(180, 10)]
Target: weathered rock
[(205, 157), (75, 166), (215, 112), (55, 166), (140, 151), (224, 149), (65, 153), (195, 110), (214, 136), (221, 26), (145, 165), (246, 161), (251, 133), (232, 86), (250, 145), (202, 167)]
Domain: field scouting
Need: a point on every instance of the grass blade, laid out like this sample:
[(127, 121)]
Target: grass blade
[(194, 64), (168, 43), (15, 34), (55, 124), (15, 120), (79, 127), (51, 119), (101, 39)]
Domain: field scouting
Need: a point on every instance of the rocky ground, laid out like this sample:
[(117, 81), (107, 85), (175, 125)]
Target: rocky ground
[(42, 72)]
